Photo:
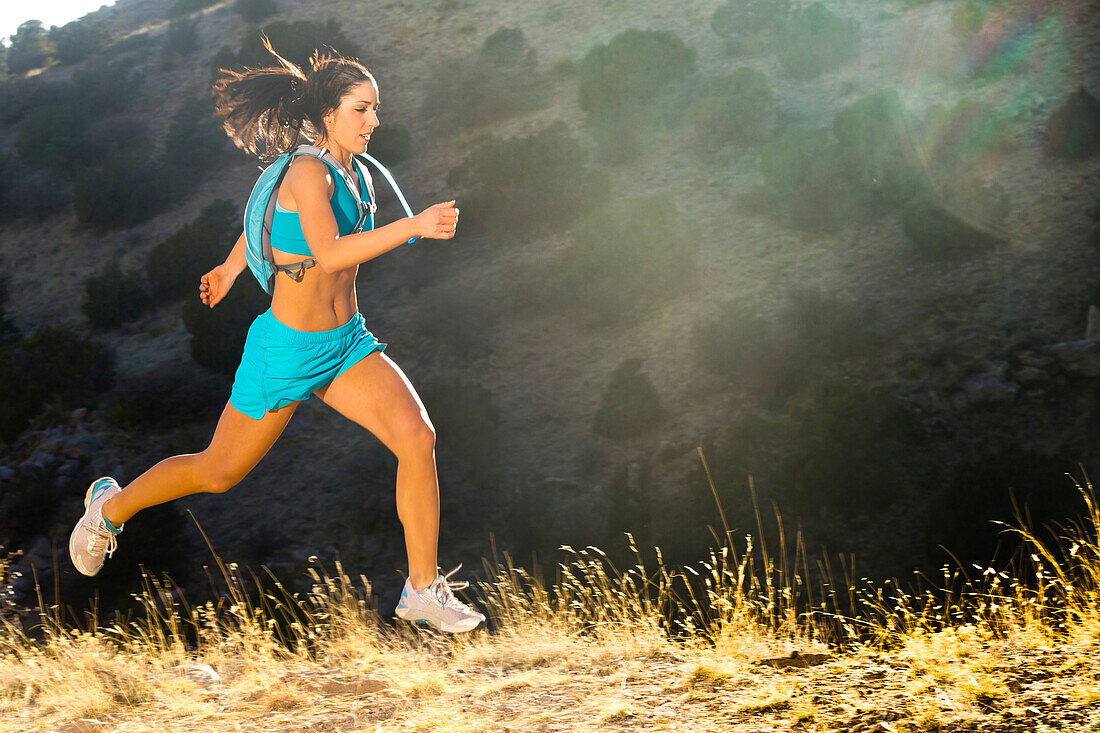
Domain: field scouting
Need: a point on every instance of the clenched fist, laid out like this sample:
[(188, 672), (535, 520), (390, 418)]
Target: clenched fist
[(439, 221)]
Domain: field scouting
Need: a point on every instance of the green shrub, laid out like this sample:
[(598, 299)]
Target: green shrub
[(9, 332), (937, 232), (195, 143), (18, 96), (845, 445), (253, 11), (180, 41), (113, 297), (628, 258), (457, 320), (467, 427), (814, 40), (746, 18), (165, 399), (295, 42), (125, 189), (176, 264), (218, 333), (181, 8), (62, 133), (629, 405), (30, 194), (811, 335), (872, 134), (1073, 130), (532, 183), (631, 69), (961, 515), (967, 18), (507, 46), (810, 177), (731, 109), (735, 337), (54, 363), (4, 72), (76, 41), (500, 81), (390, 143), (29, 48)]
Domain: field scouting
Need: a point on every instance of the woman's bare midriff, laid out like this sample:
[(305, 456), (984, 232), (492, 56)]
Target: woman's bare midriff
[(320, 301)]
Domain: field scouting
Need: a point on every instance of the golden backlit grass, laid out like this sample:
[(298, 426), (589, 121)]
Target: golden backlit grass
[(640, 648)]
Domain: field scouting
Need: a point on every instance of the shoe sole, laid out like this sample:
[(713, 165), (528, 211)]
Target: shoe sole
[(434, 625)]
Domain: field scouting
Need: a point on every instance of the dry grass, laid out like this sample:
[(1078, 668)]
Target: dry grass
[(600, 650)]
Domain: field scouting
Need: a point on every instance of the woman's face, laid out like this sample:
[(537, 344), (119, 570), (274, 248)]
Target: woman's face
[(351, 124)]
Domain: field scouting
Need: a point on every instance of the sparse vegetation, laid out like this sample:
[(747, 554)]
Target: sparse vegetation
[(294, 41), (76, 41), (176, 264), (254, 11), (731, 109), (632, 69), (615, 269), (629, 405), (1073, 130), (125, 189), (533, 183), (500, 81), (975, 640), (815, 40), (113, 297), (52, 363), (218, 333)]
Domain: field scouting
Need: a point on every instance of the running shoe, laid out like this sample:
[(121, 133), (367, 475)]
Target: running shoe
[(436, 605), (91, 539)]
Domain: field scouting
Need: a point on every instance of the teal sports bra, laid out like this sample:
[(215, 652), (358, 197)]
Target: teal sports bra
[(286, 227)]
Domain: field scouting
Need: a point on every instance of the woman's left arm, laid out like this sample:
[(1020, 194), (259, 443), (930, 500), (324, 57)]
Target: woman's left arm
[(214, 285)]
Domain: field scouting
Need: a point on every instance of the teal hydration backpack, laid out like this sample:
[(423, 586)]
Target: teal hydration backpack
[(260, 210)]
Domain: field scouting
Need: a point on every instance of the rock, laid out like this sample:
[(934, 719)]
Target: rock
[(553, 483), (7, 473), (1081, 358), (1029, 375), (1030, 358), (68, 468), (1092, 330), (79, 414), (983, 389), (42, 460), (199, 673)]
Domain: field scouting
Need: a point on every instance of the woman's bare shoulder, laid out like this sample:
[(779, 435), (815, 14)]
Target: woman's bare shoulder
[(306, 172)]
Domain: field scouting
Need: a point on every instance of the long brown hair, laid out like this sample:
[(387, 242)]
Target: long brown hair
[(267, 111)]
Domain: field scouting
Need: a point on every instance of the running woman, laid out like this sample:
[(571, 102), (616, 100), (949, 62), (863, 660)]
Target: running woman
[(313, 339)]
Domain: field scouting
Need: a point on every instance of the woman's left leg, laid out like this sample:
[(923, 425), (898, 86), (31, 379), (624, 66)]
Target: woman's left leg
[(377, 395)]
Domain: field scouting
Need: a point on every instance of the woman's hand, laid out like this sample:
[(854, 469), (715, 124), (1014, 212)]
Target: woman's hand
[(215, 284), (439, 221)]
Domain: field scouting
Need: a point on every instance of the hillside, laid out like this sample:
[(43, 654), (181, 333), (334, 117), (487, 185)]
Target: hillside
[(938, 323)]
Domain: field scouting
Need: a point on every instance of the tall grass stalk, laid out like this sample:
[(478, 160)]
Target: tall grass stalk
[(726, 601)]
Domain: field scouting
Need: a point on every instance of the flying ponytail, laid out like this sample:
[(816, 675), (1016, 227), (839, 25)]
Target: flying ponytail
[(267, 111)]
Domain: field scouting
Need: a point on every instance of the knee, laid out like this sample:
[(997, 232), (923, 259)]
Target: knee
[(418, 440), (214, 479)]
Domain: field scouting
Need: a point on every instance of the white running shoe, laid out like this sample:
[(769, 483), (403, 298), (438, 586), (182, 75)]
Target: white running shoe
[(91, 540), (437, 606)]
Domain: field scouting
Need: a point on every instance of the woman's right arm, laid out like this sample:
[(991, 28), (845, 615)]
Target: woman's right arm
[(215, 284)]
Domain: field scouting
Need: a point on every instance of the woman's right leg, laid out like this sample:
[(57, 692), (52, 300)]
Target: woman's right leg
[(238, 444)]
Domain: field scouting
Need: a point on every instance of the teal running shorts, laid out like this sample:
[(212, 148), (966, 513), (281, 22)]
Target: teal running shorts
[(281, 365)]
